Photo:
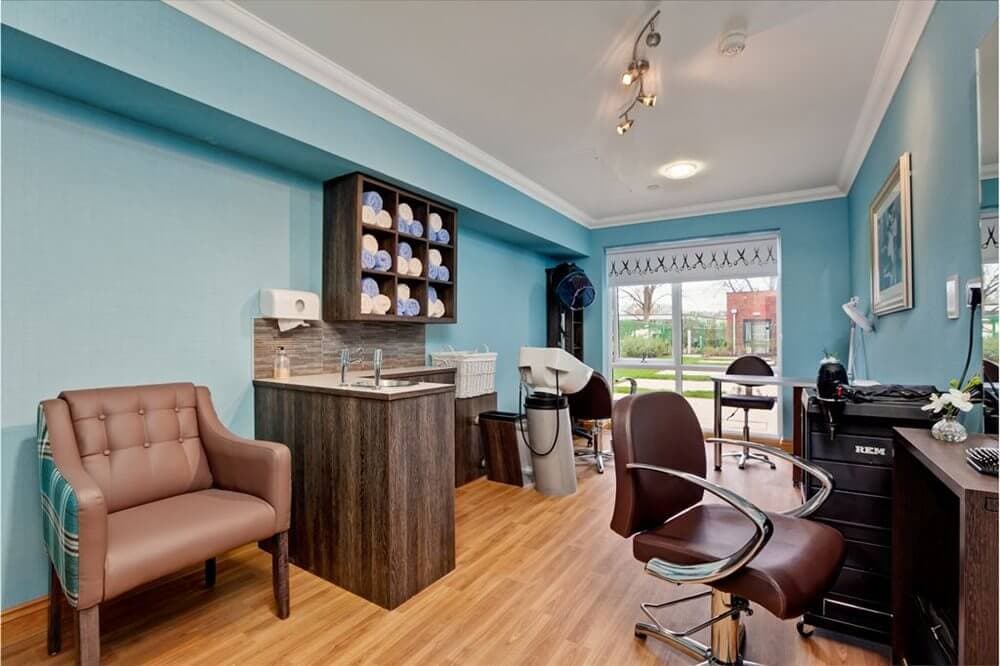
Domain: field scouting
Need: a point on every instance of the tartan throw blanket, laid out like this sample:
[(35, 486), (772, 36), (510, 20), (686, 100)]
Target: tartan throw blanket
[(60, 526)]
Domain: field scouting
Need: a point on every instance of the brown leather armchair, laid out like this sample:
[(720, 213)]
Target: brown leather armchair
[(777, 560), (140, 482)]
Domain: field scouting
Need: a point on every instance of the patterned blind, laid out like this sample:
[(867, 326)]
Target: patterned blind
[(733, 257), (988, 236)]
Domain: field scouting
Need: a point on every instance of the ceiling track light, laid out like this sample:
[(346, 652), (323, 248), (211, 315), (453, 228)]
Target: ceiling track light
[(637, 69)]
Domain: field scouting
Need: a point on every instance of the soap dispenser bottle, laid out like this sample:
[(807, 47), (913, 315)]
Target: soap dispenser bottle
[(282, 364)]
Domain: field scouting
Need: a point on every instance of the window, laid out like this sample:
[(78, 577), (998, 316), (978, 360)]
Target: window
[(684, 325)]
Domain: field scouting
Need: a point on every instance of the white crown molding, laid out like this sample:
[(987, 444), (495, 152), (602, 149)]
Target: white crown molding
[(237, 23), (732, 205), (988, 171), (904, 34)]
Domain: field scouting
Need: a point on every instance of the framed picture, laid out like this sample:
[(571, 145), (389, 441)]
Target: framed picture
[(891, 233), (951, 296)]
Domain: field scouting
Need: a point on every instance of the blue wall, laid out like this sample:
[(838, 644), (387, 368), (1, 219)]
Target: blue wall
[(933, 116), (814, 280)]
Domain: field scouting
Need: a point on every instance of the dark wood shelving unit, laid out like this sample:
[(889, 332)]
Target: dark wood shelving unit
[(343, 231)]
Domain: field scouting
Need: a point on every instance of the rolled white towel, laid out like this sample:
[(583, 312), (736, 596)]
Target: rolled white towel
[(370, 243), (404, 212), (436, 309), (366, 303), (384, 220), (434, 222), (381, 304), (415, 266), (403, 292), (434, 257), (368, 215), (402, 265)]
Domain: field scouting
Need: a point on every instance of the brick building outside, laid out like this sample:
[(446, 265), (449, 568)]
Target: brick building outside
[(752, 322)]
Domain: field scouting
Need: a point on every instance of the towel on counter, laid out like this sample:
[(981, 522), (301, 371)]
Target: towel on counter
[(434, 223), (402, 265), (443, 273), (383, 260), (443, 236), (381, 304), (402, 226), (369, 287), (412, 307), (405, 251), (368, 215), (367, 260), (383, 219), (415, 266), (404, 212), (432, 294), (434, 257), (403, 291), (369, 243), (416, 229), (373, 199), (366, 304)]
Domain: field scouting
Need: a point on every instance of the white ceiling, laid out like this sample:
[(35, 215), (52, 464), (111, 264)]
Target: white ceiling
[(536, 87)]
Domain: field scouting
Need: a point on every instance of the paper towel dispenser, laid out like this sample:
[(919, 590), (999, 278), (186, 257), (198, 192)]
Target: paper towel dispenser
[(290, 308)]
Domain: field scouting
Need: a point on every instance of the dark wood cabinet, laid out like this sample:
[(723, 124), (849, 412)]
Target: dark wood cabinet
[(343, 231), (470, 456)]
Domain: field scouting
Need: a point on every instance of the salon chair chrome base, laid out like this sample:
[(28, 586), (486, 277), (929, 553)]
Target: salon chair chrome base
[(594, 453), (728, 634), (746, 456)]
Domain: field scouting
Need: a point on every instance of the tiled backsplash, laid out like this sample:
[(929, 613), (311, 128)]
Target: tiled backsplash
[(316, 349)]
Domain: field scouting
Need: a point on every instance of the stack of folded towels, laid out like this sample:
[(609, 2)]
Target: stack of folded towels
[(436, 233), (435, 307), (372, 212), (372, 258), (405, 224), (406, 306), (406, 263), (435, 270), (372, 301)]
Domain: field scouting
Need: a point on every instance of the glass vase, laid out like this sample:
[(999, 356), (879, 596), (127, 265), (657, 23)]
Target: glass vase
[(948, 429)]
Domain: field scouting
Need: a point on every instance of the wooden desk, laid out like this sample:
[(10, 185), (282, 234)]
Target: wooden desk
[(797, 385), (944, 545)]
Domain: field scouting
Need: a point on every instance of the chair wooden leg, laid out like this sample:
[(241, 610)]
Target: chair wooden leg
[(55, 612), (88, 637), (279, 573), (210, 573)]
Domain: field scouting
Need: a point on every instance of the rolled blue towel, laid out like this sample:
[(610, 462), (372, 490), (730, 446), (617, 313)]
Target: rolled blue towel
[(373, 199), (431, 234), (369, 286), (367, 260), (443, 236), (402, 226), (416, 228), (401, 307), (432, 294), (432, 272), (412, 307), (383, 260), (443, 273), (405, 251)]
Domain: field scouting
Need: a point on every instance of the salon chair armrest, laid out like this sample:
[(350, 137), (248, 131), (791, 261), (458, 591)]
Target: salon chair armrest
[(633, 386), (707, 572), (823, 476)]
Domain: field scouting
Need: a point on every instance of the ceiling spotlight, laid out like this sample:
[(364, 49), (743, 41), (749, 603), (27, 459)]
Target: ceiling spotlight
[(679, 170), (625, 125), (653, 38), (733, 43), (637, 69), (630, 75), (647, 100)]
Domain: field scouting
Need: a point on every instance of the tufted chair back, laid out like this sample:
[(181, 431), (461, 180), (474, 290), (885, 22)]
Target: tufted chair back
[(141, 443)]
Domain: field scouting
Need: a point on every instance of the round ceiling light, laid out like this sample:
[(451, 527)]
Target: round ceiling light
[(679, 170)]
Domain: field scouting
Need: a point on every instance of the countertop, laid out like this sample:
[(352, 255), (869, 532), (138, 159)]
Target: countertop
[(946, 460), (330, 383)]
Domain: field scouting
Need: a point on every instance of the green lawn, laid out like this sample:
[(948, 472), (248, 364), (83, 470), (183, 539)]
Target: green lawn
[(687, 394), (652, 373)]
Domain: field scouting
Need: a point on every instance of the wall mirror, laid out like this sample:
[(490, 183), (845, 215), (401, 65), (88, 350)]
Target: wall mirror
[(986, 70)]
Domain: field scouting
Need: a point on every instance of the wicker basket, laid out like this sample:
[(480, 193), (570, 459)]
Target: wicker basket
[(475, 371)]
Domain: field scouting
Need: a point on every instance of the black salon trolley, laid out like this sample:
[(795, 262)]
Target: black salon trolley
[(860, 458)]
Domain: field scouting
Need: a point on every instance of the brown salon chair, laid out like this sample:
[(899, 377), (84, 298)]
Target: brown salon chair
[(593, 403), (749, 365), (140, 482), (779, 561)]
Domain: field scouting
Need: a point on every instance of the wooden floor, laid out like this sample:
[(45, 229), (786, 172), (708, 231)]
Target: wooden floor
[(539, 581)]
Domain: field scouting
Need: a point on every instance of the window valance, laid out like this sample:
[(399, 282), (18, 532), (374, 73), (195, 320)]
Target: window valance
[(715, 259), (988, 237)]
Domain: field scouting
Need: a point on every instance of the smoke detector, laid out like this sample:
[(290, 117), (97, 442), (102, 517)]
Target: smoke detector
[(733, 43)]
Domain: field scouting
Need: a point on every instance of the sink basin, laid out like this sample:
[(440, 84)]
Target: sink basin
[(386, 383)]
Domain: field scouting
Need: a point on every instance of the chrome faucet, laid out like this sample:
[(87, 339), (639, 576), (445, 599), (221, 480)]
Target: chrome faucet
[(345, 360), (377, 366)]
